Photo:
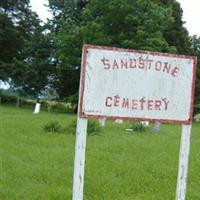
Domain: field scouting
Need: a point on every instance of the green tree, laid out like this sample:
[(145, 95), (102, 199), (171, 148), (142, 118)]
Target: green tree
[(176, 34), (196, 47), (34, 72), (25, 48), (120, 23)]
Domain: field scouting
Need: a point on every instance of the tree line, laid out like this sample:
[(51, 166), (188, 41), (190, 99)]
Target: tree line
[(37, 57)]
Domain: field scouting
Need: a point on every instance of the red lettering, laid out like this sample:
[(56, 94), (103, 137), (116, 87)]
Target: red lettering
[(158, 104), (108, 101), (142, 101), (158, 66), (124, 63), (125, 103), (115, 65), (166, 67), (166, 103), (116, 100), (150, 62), (134, 104), (150, 104), (175, 71), (141, 63), (105, 63), (131, 63)]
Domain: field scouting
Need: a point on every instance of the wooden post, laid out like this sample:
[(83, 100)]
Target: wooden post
[(79, 161), (183, 162), (80, 147)]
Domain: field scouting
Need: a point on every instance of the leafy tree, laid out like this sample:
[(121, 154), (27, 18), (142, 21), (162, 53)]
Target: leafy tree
[(176, 34), (25, 48), (196, 47), (34, 73), (120, 23), (10, 40)]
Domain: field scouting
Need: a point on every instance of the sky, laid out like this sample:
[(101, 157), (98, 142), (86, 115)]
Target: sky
[(191, 14), (39, 7)]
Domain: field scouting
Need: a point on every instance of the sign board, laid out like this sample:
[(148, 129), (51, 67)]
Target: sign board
[(141, 85)]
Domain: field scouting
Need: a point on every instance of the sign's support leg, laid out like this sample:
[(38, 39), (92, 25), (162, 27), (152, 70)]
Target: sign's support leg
[(183, 162), (79, 160)]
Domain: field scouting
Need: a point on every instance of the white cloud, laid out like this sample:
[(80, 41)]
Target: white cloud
[(39, 7), (191, 15)]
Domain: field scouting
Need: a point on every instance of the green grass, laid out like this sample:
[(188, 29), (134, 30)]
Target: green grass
[(119, 166)]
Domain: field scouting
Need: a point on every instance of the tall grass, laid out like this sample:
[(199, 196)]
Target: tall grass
[(119, 166)]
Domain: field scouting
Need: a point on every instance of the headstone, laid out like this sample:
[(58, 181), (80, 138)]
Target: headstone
[(102, 121), (129, 130), (157, 127), (119, 121), (145, 123), (37, 108)]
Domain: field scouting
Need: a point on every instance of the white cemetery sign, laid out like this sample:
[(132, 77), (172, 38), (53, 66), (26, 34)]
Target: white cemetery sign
[(134, 85)]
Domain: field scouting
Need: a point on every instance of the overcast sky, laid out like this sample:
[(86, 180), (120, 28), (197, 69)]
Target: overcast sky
[(41, 9), (191, 13)]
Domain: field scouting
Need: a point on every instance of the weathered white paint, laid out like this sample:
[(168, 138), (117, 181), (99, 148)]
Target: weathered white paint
[(80, 148), (37, 108), (102, 121), (79, 161), (98, 83), (183, 162), (107, 85)]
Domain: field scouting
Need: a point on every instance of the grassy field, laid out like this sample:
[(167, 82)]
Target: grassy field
[(119, 166)]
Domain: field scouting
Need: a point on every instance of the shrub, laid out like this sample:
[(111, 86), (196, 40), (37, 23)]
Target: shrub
[(28, 102), (196, 109), (8, 99), (55, 106), (52, 127), (73, 100), (93, 127), (138, 127)]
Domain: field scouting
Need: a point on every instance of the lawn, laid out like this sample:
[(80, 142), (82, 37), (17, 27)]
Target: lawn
[(119, 166)]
